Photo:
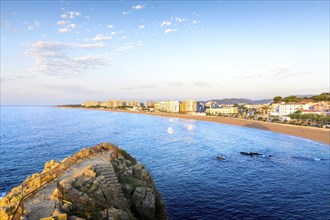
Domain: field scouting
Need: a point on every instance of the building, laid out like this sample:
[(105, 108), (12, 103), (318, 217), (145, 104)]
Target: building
[(188, 106), (113, 104), (131, 103), (173, 106), (223, 111), (157, 106), (91, 104), (289, 108), (149, 104), (163, 106)]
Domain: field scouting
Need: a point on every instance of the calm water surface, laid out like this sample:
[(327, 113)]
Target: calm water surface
[(292, 184)]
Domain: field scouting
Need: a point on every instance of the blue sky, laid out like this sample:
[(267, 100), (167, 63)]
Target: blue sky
[(55, 52)]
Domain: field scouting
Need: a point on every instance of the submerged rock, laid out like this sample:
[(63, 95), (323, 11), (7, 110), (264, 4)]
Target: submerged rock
[(220, 158)]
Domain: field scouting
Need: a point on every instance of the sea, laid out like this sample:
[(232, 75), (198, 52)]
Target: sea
[(290, 181)]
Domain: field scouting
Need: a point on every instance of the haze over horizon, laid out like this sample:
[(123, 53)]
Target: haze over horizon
[(67, 52)]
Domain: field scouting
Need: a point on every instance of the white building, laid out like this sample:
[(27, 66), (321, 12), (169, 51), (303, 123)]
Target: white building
[(173, 106), (223, 111), (289, 108)]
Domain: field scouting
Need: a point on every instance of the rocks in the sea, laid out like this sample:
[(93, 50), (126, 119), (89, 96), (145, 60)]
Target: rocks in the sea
[(220, 158), (251, 153)]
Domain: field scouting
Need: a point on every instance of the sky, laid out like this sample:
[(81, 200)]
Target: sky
[(61, 52)]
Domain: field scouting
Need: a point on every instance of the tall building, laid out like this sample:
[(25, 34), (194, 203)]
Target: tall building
[(163, 106), (289, 108), (91, 104), (173, 106), (188, 106), (132, 103)]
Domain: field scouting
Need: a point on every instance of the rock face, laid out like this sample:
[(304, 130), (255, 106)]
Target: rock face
[(120, 189), (139, 188), (144, 202)]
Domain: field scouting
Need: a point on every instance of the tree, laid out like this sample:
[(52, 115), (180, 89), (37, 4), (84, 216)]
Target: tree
[(291, 98), (277, 99), (322, 97)]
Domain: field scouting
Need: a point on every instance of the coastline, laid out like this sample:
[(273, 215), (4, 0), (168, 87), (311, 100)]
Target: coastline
[(321, 135)]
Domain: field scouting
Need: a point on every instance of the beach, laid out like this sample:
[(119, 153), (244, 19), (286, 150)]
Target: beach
[(316, 134)]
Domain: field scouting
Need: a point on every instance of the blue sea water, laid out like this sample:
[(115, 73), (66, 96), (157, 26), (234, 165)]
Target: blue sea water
[(292, 184)]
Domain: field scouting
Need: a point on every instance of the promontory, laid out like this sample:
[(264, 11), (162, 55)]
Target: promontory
[(100, 182)]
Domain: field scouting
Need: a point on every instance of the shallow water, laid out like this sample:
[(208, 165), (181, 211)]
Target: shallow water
[(292, 184)]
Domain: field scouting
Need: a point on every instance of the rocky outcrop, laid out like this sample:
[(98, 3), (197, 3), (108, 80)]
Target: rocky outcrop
[(95, 189), (139, 188), (144, 202)]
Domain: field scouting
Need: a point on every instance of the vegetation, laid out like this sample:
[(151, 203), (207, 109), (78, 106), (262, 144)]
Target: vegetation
[(309, 119), (71, 106), (127, 156), (291, 98), (322, 97), (277, 99)]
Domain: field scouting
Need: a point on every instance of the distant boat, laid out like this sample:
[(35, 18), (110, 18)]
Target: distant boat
[(169, 130), (190, 127), (171, 119)]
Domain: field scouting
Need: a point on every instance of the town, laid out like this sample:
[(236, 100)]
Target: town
[(307, 111)]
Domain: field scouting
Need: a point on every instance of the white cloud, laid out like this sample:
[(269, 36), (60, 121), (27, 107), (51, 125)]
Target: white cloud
[(276, 74), (100, 37), (141, 26), (68, 28), (165, 23), (113, 33), (126, 12), (63, 30), (110, 26), (170, 30), (61, 22), (125, 48), (52, 58), (36, 23), (97, 45), (195, 22), (137, 7), (72, 26), (70, 15), (180, 20)]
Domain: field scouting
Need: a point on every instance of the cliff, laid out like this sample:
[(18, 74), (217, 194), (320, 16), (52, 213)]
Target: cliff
[(101, 182)]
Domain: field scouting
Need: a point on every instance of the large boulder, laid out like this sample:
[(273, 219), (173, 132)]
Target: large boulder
[(144, 202)]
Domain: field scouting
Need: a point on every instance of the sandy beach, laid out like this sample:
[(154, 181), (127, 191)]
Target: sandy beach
[(316, 134)]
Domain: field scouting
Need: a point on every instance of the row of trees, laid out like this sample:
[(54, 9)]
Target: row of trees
[(311, 118), (292, 98)]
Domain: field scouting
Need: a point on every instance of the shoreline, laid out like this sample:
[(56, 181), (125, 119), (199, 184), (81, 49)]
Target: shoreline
[(321, 135)]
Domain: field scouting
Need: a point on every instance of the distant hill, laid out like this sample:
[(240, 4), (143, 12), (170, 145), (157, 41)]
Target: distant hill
[(230, 101)]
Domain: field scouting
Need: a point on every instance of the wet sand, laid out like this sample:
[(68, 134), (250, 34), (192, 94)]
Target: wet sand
[(316, 134)]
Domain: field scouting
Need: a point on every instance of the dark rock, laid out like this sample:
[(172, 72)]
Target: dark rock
[(220, 158), (251, 154)]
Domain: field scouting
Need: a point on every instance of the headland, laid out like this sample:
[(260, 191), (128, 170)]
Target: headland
[(100, 182)]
